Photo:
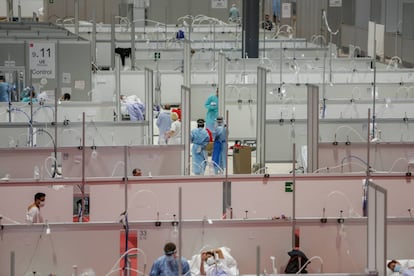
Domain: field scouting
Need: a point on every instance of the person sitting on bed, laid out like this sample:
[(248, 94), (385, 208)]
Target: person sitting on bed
[(395, 266), (133, 107), (212, 266)]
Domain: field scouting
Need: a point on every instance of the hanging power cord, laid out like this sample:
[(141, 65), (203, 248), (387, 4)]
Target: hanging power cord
[(41, 130)]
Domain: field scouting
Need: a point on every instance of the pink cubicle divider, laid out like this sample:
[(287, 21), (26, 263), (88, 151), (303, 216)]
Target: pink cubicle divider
[(109, 161), (384, 157), (20, 162), (14, 201), (148, 196)]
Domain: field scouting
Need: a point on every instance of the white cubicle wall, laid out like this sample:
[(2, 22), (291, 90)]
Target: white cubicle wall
[(347, 98), (28, 7), (345, 114)]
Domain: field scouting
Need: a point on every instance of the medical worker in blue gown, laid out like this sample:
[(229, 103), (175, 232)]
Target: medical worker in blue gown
[(219, 149), (200, 139), (167, 265), (212, 110), (164, 124), (4, 90)]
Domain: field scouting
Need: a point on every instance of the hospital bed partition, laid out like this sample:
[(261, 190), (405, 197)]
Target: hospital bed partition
[(327, 221)]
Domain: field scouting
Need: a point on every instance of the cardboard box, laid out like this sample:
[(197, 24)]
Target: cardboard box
[(242, 160)]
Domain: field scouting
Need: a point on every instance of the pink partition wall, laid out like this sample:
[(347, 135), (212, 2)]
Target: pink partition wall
[(14, 201), (96, 245), (147, 197)]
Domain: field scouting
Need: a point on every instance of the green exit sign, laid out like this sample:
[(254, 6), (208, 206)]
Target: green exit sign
[(288, 187), (157, 55), (51, 1)]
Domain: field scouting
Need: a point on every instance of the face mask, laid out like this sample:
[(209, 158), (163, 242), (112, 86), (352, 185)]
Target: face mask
[(170, 258), (397, 268), (210, 261), (42, 204)]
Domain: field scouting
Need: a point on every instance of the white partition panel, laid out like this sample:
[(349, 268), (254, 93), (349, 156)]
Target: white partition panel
[(377, 228), (171, 87)]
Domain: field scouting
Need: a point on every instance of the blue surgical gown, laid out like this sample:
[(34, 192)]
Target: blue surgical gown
[(212, 111), (234, 13), (219, 150), (408, 272), (167, 266), (4, 92), (164, 124), (200, 139)]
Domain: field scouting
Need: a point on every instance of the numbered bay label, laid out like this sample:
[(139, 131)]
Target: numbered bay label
[(42, 60)]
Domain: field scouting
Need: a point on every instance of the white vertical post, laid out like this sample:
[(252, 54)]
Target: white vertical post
[(293, 194), (112, 53), (149, 99), (117, 87), (222, 83), (132, 45), (261, 116), (180, 239), (312, 128), (187, 63), (76, 4), (185, 127), (93, 42), (9, 7), (376, 229)]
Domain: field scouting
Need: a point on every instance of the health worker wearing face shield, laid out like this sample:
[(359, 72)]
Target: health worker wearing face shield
[(33, 211), (200, 139), (212, 110), (167, 265)]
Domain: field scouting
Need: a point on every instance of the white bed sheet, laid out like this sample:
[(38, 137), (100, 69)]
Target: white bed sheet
[(405, 263), (229, 261)]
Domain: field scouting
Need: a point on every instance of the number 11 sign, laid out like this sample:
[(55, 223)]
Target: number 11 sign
[(42, 60)]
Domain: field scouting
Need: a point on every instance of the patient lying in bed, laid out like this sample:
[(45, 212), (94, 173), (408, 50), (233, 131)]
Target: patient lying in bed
[(400, 267), (214, 262), (133, 107)]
